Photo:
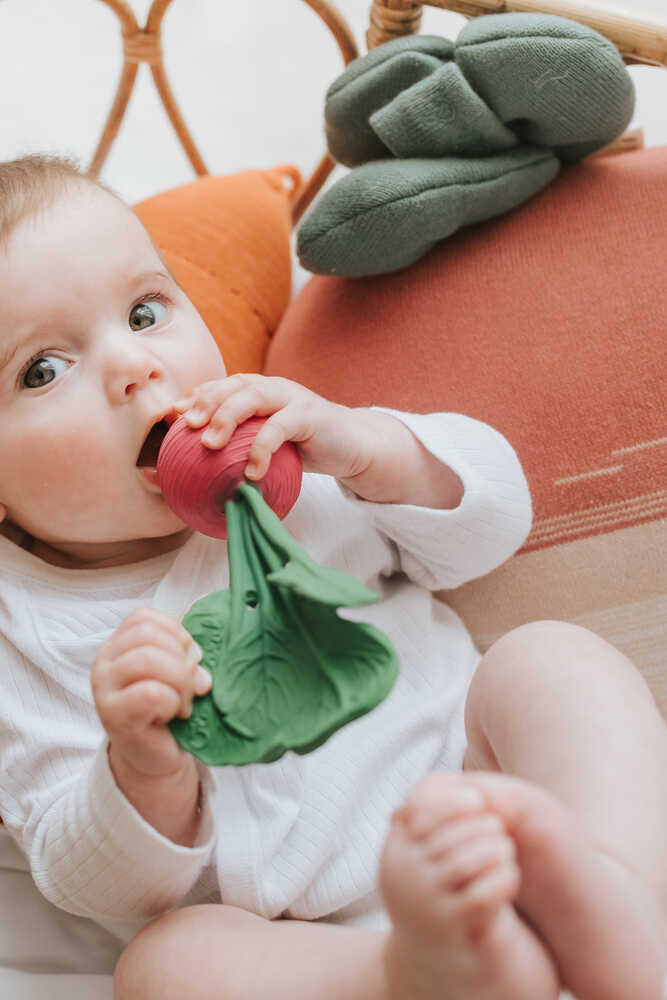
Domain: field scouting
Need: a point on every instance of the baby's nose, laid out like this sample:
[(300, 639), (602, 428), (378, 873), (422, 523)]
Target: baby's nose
[(125, 375), (141, 380)]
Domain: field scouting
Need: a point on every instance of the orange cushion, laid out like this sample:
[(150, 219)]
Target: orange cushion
[(227, 243), (550, 324)]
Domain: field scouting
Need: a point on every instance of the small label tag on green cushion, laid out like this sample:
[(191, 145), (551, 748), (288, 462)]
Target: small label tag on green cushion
[(287, 671)]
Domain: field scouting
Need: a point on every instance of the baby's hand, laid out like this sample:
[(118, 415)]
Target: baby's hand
[(144, 675), (331, 438)]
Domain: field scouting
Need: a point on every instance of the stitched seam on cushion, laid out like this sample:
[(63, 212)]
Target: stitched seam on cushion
[(230, 291), (450, 187), (194, 263), (600, 43), (253, 310)]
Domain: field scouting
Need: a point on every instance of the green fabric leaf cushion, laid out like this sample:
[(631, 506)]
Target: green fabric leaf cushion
[(531, 84), (385, 215), (555, 82), (287, 671), (369, 84)]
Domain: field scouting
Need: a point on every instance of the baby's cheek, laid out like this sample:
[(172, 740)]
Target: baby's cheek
[(204, 361), (68, 462)]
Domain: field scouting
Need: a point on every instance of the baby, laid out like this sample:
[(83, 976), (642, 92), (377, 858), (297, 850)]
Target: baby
[(493, 830)]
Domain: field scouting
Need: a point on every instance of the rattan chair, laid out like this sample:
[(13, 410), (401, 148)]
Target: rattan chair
[(640, 40)]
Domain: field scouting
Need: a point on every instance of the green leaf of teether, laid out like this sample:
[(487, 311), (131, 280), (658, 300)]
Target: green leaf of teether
[(287, 670)]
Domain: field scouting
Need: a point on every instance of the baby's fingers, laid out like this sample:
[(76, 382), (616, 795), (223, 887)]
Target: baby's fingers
[(246, 403), (286, 425), (135, 708), (147, 625), (226, 404), (203, 401), (182, 673), (144, 635)]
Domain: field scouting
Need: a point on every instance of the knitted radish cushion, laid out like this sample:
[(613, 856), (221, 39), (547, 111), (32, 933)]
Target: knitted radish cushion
[(227, 242), (550, 324)]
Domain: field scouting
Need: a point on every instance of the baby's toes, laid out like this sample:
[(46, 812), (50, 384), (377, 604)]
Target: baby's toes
[(480, 876), (461, 830), (437, 799), (466, 862)]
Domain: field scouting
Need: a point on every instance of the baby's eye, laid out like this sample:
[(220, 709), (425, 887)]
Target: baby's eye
[(146, 314), (43, 370)]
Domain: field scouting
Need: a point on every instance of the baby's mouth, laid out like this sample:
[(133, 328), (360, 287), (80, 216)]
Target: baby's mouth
[(151, 446)]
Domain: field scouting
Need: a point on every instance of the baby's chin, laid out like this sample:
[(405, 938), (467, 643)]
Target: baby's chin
[(100, 555), (86, 554)]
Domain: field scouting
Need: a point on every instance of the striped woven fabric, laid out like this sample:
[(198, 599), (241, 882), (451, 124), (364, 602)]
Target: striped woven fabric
[(550, 324)]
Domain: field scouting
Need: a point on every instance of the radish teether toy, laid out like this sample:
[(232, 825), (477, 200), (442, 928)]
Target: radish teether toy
[(287, 670), (197, 481)]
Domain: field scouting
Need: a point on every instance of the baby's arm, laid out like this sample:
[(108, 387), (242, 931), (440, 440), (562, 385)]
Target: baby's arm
[(145, 675), (443, 548), (447, 489), (400, 470), (368, 450), (91, 850)]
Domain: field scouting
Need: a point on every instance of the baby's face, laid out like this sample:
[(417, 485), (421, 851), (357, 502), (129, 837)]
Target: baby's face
[(96, 344)]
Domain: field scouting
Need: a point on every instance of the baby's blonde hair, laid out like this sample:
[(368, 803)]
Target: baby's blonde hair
[(32, 182)]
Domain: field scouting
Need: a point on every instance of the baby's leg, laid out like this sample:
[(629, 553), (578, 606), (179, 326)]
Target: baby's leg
[(584, 818), (214, 952), (567, 715)]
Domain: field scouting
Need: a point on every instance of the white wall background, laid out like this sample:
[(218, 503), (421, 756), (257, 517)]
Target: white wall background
[(249, 75)]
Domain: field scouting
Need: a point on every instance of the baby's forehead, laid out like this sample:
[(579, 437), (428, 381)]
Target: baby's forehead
[(98, 210), (90, 223), (85, 242)]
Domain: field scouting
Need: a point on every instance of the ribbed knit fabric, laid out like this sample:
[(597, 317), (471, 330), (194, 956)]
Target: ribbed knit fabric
[(300, 836)]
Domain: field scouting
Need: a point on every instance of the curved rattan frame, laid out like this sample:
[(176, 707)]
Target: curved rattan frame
[(639, 39), (143, 43)]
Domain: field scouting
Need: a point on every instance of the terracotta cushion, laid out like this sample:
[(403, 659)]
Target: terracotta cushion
[(227, 243), (550, 324)]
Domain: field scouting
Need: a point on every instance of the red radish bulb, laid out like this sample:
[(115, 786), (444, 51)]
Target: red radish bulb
[(196, 481)]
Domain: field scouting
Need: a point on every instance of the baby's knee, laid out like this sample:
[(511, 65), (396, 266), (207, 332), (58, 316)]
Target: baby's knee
[(569, 652), (520, 658), (544, 637), (139, 967), (536, 649), (548, 663), (154, 965)]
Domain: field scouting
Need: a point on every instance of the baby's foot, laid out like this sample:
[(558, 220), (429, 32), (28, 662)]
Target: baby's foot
[(606, 929), (453, 918), (449, 878)]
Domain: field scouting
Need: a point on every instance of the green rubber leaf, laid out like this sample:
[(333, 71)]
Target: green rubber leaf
[(287, 670), (287, 565)]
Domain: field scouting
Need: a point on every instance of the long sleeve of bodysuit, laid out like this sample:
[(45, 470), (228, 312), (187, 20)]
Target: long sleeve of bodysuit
[(90, 851), (442, 549)]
